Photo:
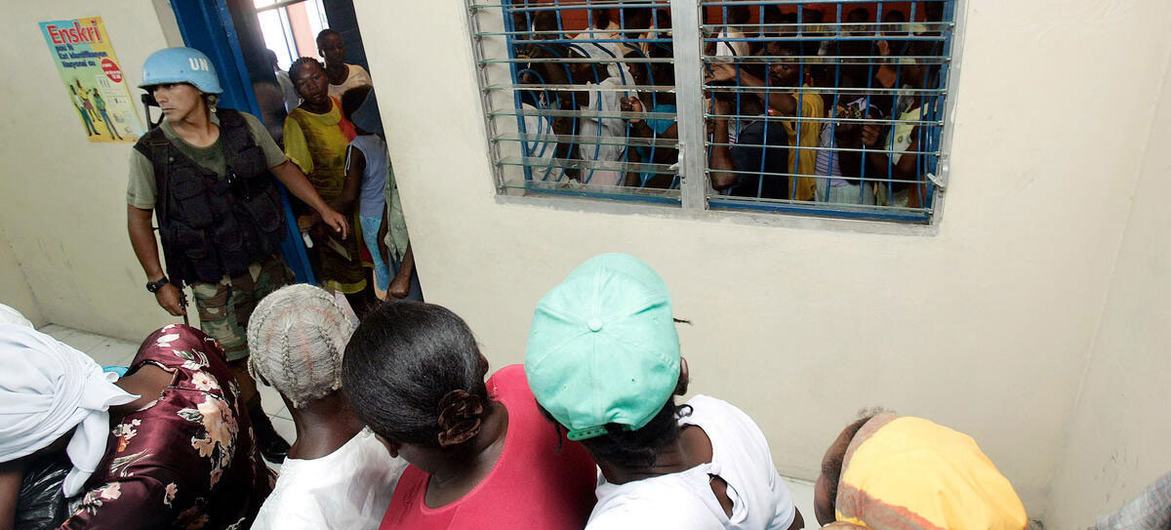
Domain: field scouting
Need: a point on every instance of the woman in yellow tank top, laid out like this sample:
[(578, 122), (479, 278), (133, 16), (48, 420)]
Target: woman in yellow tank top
[(316, 136)]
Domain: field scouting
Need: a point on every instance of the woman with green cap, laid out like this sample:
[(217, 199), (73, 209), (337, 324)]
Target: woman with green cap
[(603, 360)]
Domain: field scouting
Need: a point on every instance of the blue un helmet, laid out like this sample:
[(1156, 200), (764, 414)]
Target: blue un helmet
[(180, 65)]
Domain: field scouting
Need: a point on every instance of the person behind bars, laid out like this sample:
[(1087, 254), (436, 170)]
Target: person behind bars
[(599, 125), (801, 108)]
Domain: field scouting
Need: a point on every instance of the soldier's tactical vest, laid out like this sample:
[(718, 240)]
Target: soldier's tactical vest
[(211, 225)]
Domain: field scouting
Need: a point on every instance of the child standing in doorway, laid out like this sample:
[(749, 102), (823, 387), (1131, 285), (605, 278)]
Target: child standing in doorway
[(368, 163)]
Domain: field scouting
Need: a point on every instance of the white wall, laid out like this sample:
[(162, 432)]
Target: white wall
[(63, 198), (14, 290), (984, 326), (1118, 442)]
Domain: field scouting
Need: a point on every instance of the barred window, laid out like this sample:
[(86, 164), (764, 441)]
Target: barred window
[(832, 108)]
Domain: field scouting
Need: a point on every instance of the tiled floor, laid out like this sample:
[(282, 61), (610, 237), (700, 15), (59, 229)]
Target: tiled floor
[(107, 351), (803, 497)]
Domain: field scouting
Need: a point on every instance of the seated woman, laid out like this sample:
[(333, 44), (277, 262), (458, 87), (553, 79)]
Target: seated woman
[(316, 137), (886, 472), (481, 454), (166, 446), (337, 474)]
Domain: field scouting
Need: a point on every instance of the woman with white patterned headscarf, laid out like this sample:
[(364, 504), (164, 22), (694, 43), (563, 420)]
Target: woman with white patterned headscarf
[(165, 445), (52, 397), (48, 391)]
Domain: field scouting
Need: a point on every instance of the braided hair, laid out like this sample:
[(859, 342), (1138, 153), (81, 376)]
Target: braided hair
[(297, 336), (301, 63)]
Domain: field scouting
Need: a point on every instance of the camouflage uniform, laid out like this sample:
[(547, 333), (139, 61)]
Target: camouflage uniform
[(225, 307)]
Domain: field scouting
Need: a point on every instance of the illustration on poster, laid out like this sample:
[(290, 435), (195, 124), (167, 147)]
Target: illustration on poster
[(93, 79)]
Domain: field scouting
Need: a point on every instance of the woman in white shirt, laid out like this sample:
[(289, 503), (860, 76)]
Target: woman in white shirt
[(704, 465), (337, 475)]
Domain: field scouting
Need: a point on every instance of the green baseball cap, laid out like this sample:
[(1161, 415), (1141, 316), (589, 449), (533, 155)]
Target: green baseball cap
[(603, 347)]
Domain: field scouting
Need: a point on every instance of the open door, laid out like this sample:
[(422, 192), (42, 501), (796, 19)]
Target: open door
[(228, 31)]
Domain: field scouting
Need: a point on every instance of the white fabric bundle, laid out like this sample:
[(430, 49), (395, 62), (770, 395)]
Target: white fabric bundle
[(296, 337), (48, 388), (9, 315)]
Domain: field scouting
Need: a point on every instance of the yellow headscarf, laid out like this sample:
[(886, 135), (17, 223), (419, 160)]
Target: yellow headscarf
[(904, 473)]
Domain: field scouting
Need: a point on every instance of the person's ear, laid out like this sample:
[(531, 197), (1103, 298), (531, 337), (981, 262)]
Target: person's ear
[(484, 365), (684, 377)]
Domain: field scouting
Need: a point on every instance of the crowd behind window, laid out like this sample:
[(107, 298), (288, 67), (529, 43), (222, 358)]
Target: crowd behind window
[(832, 105)]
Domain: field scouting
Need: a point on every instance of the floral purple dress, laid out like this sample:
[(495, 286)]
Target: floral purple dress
[(186, 460)]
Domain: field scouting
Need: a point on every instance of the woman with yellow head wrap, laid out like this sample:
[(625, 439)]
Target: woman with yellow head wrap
[(888, 472)]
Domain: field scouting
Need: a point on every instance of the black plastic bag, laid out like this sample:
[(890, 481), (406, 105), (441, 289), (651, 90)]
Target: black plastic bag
[(42, 505)]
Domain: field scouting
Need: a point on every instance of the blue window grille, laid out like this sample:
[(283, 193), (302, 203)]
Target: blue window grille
[(829, 108)]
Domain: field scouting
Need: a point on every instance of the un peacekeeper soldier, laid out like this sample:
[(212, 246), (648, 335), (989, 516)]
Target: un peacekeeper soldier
[(208, 176)]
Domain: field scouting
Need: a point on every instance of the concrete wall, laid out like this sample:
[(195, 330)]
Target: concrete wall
[(984, 325), (14, 290), (64, 199), (1119, 439)]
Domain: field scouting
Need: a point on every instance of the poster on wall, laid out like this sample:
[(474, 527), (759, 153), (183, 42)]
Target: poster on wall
[(97, 89)]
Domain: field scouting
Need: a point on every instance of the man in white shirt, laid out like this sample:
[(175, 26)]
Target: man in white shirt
[(342, 76), (600, 131), (288, 91), (603, 361), (337, 474), (736, 18), (600, 41), (540, 142)]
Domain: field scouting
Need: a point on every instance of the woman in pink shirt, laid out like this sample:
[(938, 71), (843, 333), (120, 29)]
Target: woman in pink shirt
[(481, 454)]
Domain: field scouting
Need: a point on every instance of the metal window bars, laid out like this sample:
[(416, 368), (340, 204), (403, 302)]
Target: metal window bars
[(831, 108)]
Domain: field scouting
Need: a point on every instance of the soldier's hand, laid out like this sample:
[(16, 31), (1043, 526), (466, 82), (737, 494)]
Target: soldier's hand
[(336, 221), (169, 298)]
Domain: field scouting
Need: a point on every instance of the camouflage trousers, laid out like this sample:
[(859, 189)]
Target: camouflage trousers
[(225, 307)]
